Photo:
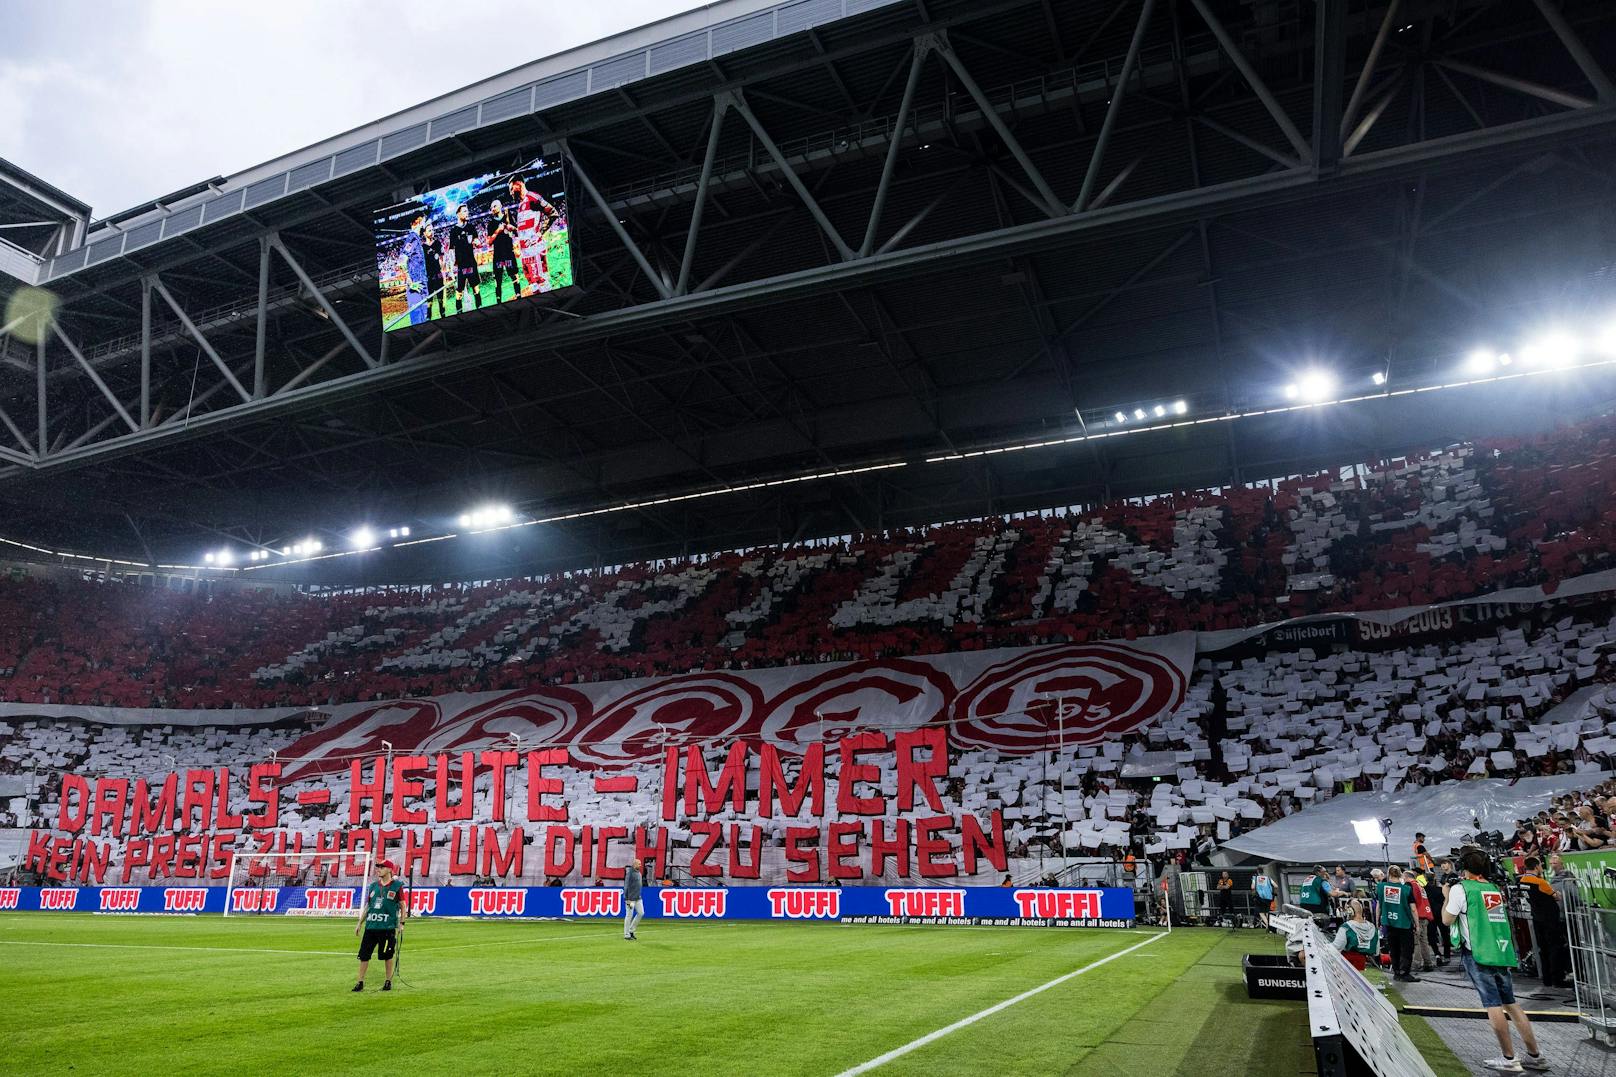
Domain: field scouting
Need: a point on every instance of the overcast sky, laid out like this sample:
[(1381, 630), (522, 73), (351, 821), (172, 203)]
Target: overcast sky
[(121, 102)]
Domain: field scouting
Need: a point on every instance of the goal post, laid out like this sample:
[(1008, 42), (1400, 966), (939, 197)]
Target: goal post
[(298, 884)]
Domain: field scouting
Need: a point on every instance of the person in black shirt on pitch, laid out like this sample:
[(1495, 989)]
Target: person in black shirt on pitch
[(434, 271), (502, 237), (463, 239)]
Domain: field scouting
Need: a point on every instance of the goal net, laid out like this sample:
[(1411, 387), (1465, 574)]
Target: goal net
[(297, 884)]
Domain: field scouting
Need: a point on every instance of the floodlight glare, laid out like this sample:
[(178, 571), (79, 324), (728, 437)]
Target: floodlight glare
[(1179, 407), (208, 558), (502, 512), (1379, 377), (1121, 418), (1314, 386), (286, 551), (465, 519), (225, 557), (1160, 411), (1138, 413), (314, 545), (363, 538), (1551, 351), (404, 531), (1481, 361), (1290, 391)]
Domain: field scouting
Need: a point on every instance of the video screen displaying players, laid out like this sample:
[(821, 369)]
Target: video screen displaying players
[(478, 243)]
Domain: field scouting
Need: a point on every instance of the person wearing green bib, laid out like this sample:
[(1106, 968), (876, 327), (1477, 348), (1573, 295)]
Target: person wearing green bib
[(1477, 915), (383, 909), (1315, 895), (1357, 938), (1396, 902)]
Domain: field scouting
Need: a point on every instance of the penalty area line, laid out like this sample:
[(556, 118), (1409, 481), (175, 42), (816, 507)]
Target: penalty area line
[(930, 1037)]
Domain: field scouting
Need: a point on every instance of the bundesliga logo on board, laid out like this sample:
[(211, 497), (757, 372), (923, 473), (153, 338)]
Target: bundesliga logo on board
[(698, 903), (591, 902), (184, 899), (498, 902), (58, 899), (120, 899), (806, 903)]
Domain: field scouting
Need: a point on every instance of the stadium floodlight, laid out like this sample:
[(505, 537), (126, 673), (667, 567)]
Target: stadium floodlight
[(1370, 831), (1180, 407), (1138, 413), (363, 538), (1121, 417), (1551, 351), (314, 545), (225, 558), (1481, 362), (1378, 377), (207, 558), (1315, 385), (465, 519), (1159, 410), (404, 532), (286, 551)]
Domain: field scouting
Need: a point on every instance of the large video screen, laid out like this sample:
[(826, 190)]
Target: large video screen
[(477, 243)]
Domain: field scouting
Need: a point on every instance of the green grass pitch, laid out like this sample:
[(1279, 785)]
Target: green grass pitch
[(95, 994)]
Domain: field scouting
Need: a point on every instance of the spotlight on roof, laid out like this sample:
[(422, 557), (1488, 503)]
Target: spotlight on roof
[(1138, 413), (1159, 410), (1378, 377), (404, 532), (1312, 386), (363, 538), (465, 519), (1180, 407), (314, 545), (207, 558), (1121, 417), (286, 551), (1551, 351), (1481, 362), (225, 558)]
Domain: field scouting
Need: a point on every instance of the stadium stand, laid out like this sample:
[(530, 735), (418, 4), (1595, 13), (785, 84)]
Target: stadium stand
[(1464, 521)]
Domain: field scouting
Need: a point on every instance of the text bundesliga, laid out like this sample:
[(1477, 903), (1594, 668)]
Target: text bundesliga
[(187, 825)]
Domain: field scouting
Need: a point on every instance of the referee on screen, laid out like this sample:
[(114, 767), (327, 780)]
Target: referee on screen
[(384, 907)]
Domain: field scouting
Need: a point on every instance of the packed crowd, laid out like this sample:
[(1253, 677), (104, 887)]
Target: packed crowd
[(1464, 521)]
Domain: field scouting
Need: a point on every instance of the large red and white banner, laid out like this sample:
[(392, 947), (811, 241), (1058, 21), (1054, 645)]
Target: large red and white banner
[(1015, 700)]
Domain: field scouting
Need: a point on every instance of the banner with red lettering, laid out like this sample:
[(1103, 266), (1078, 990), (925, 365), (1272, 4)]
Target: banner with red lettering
[(847, 772)]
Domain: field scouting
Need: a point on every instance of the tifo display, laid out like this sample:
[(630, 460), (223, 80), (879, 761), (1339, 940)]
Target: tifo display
[(487, 240)]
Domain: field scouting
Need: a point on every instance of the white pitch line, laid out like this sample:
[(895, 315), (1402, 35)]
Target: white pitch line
[(205, 949), (899, 1052)]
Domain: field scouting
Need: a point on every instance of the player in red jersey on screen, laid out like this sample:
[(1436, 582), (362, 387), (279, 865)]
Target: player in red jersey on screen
[(534, 216)]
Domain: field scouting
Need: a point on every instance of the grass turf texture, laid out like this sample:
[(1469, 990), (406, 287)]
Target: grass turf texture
[(270, 995)]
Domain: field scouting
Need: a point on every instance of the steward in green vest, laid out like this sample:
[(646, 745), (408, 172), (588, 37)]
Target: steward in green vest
[(1483, 926), (1396, 900), (1315, 896)]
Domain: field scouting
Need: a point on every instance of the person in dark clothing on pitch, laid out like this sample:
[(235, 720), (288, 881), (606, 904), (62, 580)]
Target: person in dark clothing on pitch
[(463, 241), (435, 295), (1441, 946), (1548, 924), (502, 238)]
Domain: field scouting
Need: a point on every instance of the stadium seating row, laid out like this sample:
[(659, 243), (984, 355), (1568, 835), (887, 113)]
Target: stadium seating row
[(1460, 522)]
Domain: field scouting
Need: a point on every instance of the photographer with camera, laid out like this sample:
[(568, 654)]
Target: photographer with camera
[(1477, 914)]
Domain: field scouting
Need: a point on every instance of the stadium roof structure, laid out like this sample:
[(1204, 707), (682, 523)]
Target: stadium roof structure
[(837, 262)]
